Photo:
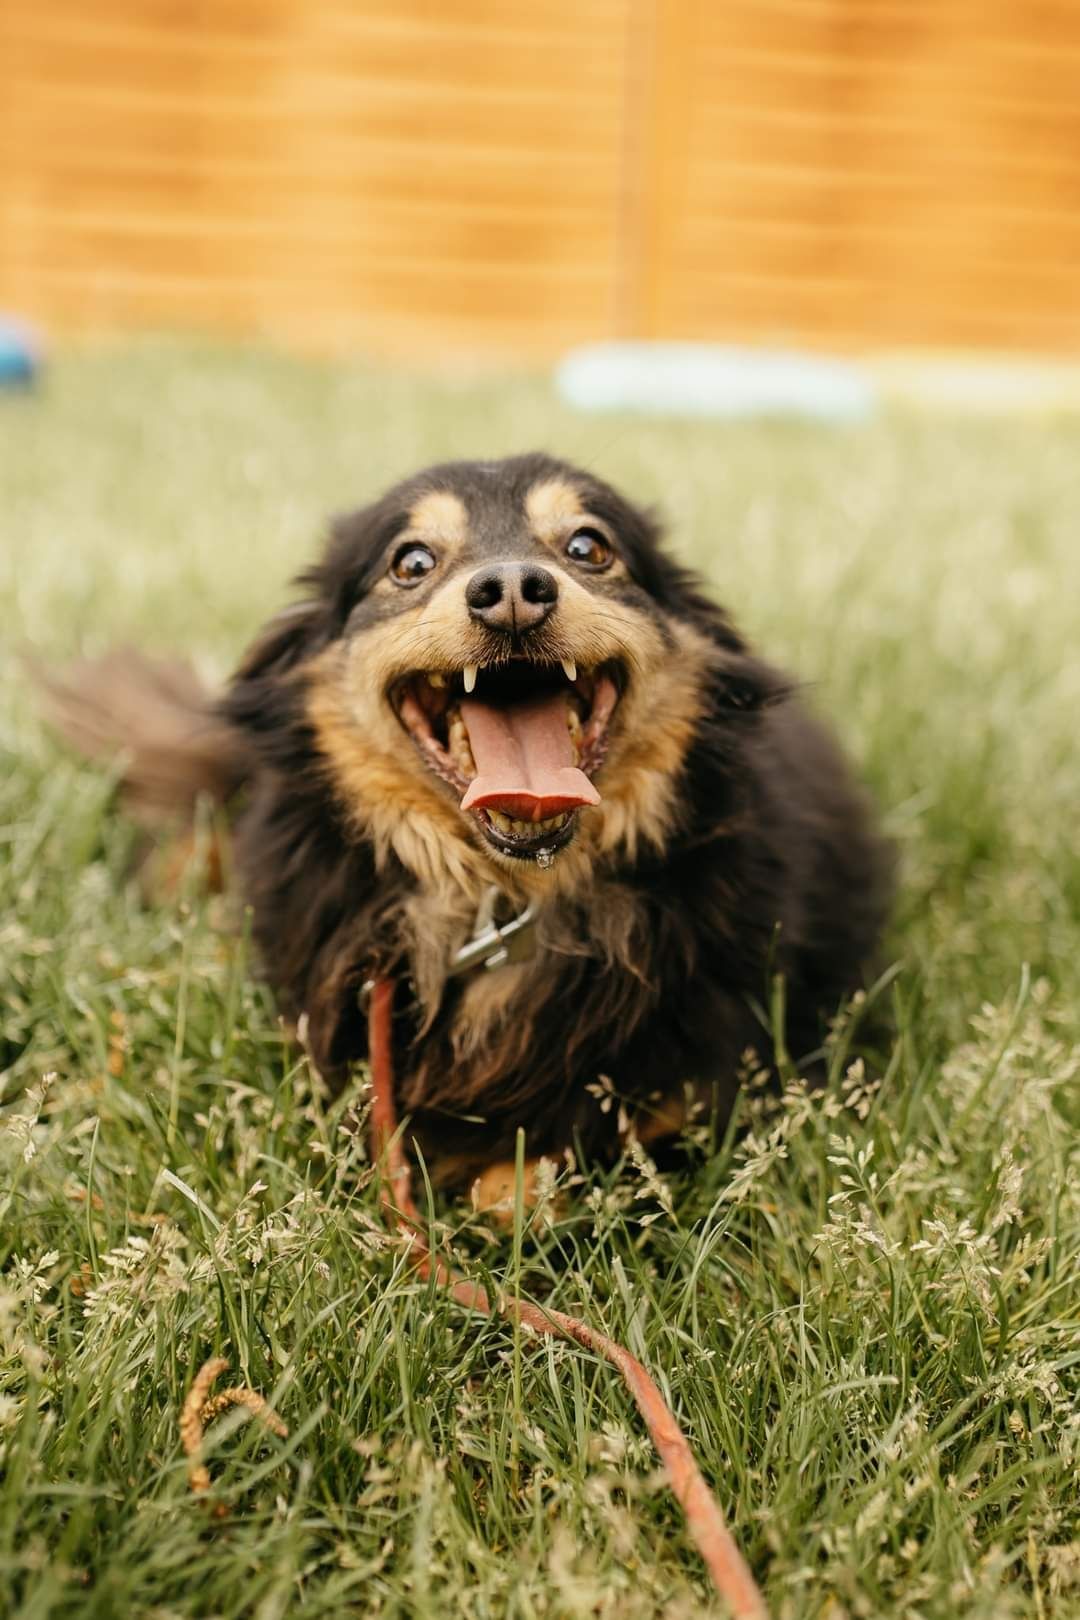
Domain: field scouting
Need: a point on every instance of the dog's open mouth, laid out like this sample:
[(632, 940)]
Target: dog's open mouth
[(518, 740)]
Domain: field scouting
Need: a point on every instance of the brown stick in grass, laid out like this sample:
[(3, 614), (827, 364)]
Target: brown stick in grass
[(729, 1571)]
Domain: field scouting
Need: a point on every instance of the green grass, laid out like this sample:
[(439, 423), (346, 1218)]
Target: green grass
[(866, 1310)]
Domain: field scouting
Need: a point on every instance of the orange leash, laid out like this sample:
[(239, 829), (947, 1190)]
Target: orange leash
[(730, 1573)]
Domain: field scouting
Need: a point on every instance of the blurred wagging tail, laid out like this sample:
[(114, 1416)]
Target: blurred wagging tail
[(504, 751)]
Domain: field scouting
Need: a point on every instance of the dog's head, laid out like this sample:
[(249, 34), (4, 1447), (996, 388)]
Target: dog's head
[(496, 664)]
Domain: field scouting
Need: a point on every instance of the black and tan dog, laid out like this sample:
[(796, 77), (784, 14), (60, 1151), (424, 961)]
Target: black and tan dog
[(505, 750)]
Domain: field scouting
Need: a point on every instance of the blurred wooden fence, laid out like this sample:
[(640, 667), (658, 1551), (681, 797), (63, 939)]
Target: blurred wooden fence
[(423, 176)]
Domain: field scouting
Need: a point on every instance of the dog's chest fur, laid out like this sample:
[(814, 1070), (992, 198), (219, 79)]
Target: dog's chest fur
[(489, 1025)]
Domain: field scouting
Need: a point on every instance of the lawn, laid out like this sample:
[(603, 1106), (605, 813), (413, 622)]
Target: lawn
[(866, 1309)]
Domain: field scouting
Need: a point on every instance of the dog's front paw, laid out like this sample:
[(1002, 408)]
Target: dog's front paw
[(492, 1193)]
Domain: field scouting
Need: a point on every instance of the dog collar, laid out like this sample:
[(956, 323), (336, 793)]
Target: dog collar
[(493, 944)]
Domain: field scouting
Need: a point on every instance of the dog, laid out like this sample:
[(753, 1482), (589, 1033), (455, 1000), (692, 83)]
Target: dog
[(504, 750)]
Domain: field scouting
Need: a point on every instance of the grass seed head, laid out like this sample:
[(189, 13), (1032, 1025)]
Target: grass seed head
[(200, 1408)]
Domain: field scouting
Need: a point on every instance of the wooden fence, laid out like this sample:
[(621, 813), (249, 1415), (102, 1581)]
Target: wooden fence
[(425, 176)]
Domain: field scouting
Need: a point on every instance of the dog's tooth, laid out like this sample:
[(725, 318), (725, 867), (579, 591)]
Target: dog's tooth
[(569, 670), (457, 737), (470, 673), (436, 677), (573, 726)]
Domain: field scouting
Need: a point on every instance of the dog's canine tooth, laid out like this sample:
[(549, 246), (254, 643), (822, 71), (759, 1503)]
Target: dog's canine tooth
[(435, 677), (569, 669), (470, 673)]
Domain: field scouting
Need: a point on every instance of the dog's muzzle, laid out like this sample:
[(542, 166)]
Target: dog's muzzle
[(518, 741)]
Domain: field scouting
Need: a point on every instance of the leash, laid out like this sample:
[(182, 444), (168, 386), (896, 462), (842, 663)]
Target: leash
[(729, 1571)]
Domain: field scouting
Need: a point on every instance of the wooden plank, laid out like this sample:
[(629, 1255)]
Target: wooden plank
[(417, 164), (420, 174), (909, 172)]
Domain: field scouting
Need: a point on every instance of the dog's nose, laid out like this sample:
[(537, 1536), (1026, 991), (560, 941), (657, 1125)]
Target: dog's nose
[(515, 597)]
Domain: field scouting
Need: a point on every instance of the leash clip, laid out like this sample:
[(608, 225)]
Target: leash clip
[(493, 946)]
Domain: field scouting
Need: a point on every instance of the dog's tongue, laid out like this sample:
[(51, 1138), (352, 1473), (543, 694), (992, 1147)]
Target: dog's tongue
[(524, 759)]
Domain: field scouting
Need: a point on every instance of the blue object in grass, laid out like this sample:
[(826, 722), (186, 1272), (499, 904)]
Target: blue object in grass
[(20, 353), (710, 379)]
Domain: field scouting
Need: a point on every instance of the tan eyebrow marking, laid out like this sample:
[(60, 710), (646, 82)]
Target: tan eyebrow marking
[(551, 507), (440, 515)]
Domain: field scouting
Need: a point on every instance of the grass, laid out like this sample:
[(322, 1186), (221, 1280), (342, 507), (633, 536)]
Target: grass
[(866, 1309)]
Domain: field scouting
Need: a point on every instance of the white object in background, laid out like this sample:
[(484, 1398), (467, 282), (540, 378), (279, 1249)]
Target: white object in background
[(708, 379)]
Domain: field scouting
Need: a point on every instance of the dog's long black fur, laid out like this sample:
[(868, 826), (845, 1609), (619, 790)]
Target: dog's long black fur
[(655, 968)]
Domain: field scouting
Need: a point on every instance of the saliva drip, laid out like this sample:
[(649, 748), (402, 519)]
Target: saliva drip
[(545, 859)]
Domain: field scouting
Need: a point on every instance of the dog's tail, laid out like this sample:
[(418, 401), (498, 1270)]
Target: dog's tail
[(153, 719)]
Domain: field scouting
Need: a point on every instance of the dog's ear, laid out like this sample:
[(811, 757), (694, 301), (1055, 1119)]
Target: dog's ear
[(261, 698), (739, 682), (282, 643), (745, 684), (355, 555)]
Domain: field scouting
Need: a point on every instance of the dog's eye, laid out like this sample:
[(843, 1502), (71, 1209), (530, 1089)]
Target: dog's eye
[(589, 548), (411, 564)]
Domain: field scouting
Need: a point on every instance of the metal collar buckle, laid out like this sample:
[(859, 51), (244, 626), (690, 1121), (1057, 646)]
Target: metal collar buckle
[(492, 945)]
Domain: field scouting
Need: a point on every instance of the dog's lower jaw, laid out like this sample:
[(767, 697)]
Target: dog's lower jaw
[(514, 849)]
